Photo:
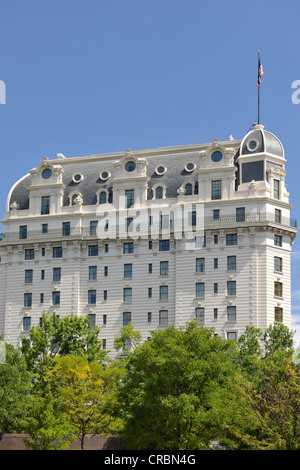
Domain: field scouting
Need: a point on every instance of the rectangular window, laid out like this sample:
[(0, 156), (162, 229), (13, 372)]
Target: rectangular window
[(129, 224), (105, 271), (231, 263), (164, 268), (23, 232), (93, 250), (240, 214), (192, 218), (56, 274), (45, 205), (164, 245), (44, 228), (277, 216), (26, 323), (128, 248), (164, 221), (231, 239), (149, 317), (149, 292), (42, 274), (57, 252), (28, 276), (55, 298), (216, 263), (199, 314), (163, 317), (216, 214), (126, 318), (231, 313), (128, 270), (127, 294), (105, 295), (92, 273), (278, 264), (277, 240), (216, 288), (216, 239), (200, 265), (29, 254), (92, 318), (92, 297), (150, 244), (278, 314), (216, 192), (231, 335), (43, 251), (278, 289), (276, 194), (104, 343), (66, 229), (41, 298), (106, 248), (150, 268), (104, 319), (93, 227), (215, 313), (163, 292), (231, 287), (27, 300), (200, 289), (129, 194)]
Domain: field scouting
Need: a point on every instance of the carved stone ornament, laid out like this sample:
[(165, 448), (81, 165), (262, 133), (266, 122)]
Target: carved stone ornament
[(78, 200), (253, 185), (14, 206)]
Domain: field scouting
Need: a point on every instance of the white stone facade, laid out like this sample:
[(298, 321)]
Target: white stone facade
[(242, 239)]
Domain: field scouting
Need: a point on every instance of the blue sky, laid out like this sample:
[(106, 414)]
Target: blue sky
[(95, 76)]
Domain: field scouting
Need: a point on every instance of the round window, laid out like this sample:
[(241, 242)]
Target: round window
[(216, 156), (130, 166), (104, 175), (253, 145), (190, 166), (160, 170), (77, 178), (47, 173)]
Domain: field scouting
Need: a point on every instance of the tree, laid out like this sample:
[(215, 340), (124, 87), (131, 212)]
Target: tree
[(15, 385), (182, 390), (86, 394), (278, 336), (249, 350), (128, 339)]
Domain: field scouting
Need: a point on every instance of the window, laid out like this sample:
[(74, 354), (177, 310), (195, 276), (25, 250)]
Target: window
[(277, 240), (163, 292), (130, 166), (240, 214), (149, 317), (216, 214), (231, 263), (127, 345), (23, 232), (231, 313), (159, 192), (164, 268), (45, 205), (92, 318), (92, 273), (149, 292), (42, 274), (200, 265), (57, 252), (278, 289), (231, 335), (164, 222), (93, 227), (129, 194), (216, 239), (200, 289), (56, 298), (127, 270), (127, 294), (231, 239), (188, 189), (104, 343), (128, 247), (192, 218), (103, 197), (150, 245), (277, 216), (216, 288), (43, 251), (28, 276), (129, 224), (216, 263), (278, 317), (150, 268), (215, 313), (27, 300), (105, 271), (92, 296), (105, 295), (44, 228), (106, 248), (277, 264), (216, 189), (26, 323), (126, 318), (66, 228), (29, 254), (164, 245), (56, 274), (104, 319), (199, 314), (231, 287), (276, 193), (93, 250), (41, 298), (163, 317), (74, 197)]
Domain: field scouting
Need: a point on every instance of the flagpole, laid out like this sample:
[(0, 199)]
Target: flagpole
[(258, 84)]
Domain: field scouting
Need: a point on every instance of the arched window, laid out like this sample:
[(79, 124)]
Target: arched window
[(102, 197), (159, 192), (188, 189)]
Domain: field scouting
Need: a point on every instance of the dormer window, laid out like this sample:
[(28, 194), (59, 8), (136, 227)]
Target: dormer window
[(46, 174), (103, 197), (160, 170), (188, 189), (217, 156), (130, 166), (74, 199), (159, 192)]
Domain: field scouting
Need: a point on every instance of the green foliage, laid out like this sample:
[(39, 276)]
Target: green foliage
[(278, 337), (127, 333)]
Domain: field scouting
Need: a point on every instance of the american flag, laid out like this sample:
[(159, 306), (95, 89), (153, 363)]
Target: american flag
[(260, 72)]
